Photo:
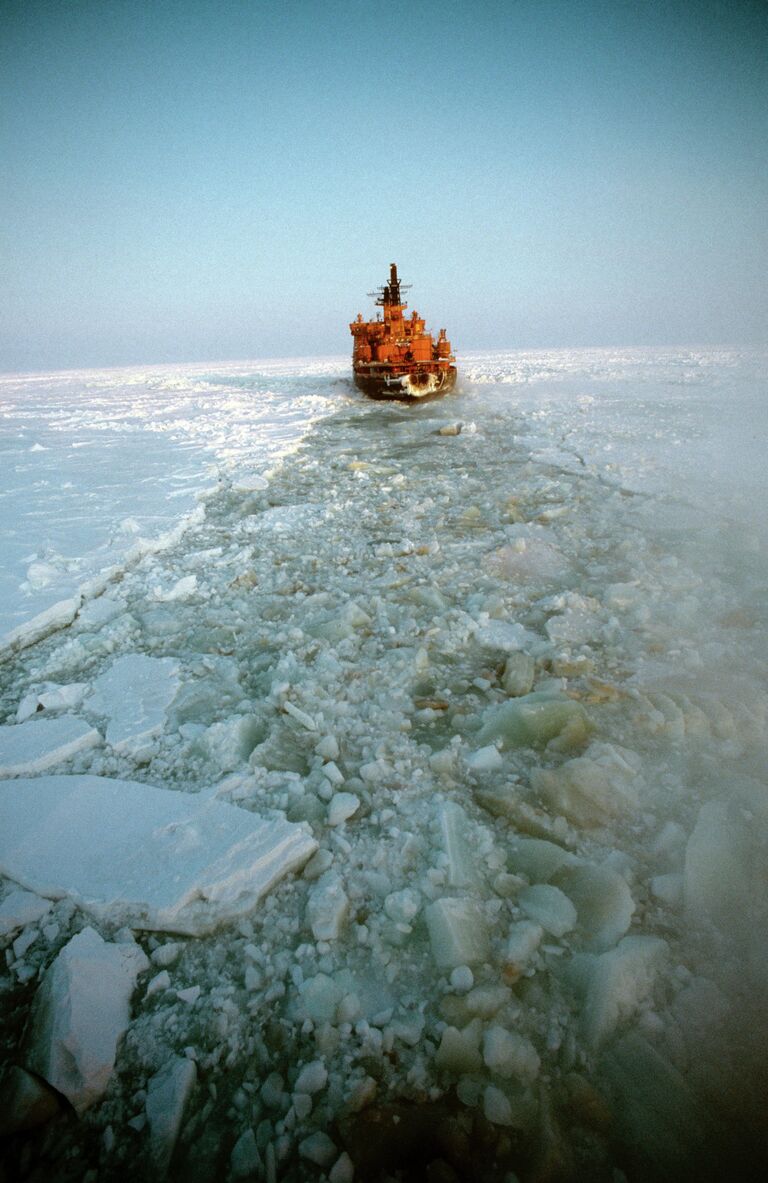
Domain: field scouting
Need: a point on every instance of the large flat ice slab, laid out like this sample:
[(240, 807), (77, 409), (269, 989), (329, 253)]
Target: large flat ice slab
[(138, 855), (38, 744)]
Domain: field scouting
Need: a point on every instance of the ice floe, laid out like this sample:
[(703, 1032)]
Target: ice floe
[(134, 694), (38, 744), (138, 855)]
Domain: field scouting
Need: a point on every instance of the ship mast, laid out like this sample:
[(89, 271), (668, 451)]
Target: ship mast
[(389, 296)]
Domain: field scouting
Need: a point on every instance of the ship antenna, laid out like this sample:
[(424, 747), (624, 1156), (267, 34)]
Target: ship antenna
[(390, 293)]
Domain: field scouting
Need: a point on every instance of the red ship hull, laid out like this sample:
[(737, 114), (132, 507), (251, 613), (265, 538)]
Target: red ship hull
[(380, 382), (395, 356)]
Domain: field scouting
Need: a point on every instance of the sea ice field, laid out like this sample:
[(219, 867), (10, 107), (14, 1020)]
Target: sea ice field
[(383, 787)]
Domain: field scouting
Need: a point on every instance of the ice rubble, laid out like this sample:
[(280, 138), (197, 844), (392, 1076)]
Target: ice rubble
[(129, 853), (489, 682)]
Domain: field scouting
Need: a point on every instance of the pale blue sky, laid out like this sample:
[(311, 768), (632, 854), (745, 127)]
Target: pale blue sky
[(191, 180)]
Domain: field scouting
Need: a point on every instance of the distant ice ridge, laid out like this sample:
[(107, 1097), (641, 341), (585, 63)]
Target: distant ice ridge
[(103, 466)]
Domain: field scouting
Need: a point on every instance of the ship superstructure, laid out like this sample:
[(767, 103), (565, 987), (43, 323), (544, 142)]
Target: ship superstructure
[(394, 356)]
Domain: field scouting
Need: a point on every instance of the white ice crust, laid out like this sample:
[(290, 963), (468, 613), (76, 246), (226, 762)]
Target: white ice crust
[(138, 855)]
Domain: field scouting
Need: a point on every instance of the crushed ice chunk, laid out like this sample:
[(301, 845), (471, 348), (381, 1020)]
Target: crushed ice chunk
[(503, 637), (409, 1028), (168, 1093), (25, 941), (332, 773), (527, 560), (615, 983), (190, 995), (462, 979), (319, 863), (486, 759), (20, 908), (403, 906), (591, 789), (496, 1106), (507, 1053), (342, 806), (668, 889), (548, 906), (229, 743), (165, 955), (245, 1160), (272, 1091), (458, 1053), (538, 859), (319, 1149), (37, 744), (577, 624), (249, 482), (327, 907), (454, 827), (485, 1001), (717, 860), (524, 939), (300, 716), (343, 1170), (312, 1078), (134, 854), (302, 1105), (518, 675), (328, 747), (158, 983), (80, 1013), (183, 589), (51, 698), (603, 902), (457, 932), (534, 720)]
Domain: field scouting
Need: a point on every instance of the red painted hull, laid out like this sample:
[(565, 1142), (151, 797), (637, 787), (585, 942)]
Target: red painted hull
[(395, 356), (381, 383)]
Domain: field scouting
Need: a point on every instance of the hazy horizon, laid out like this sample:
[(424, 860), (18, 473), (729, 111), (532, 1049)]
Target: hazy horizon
[(198, 182)]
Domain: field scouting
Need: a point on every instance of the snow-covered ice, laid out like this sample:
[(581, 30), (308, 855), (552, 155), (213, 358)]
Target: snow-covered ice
[(106, 463), (507, 683)]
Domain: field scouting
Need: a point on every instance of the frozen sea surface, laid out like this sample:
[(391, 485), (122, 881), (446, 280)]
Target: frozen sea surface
[(97, 464), (502, 658)]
